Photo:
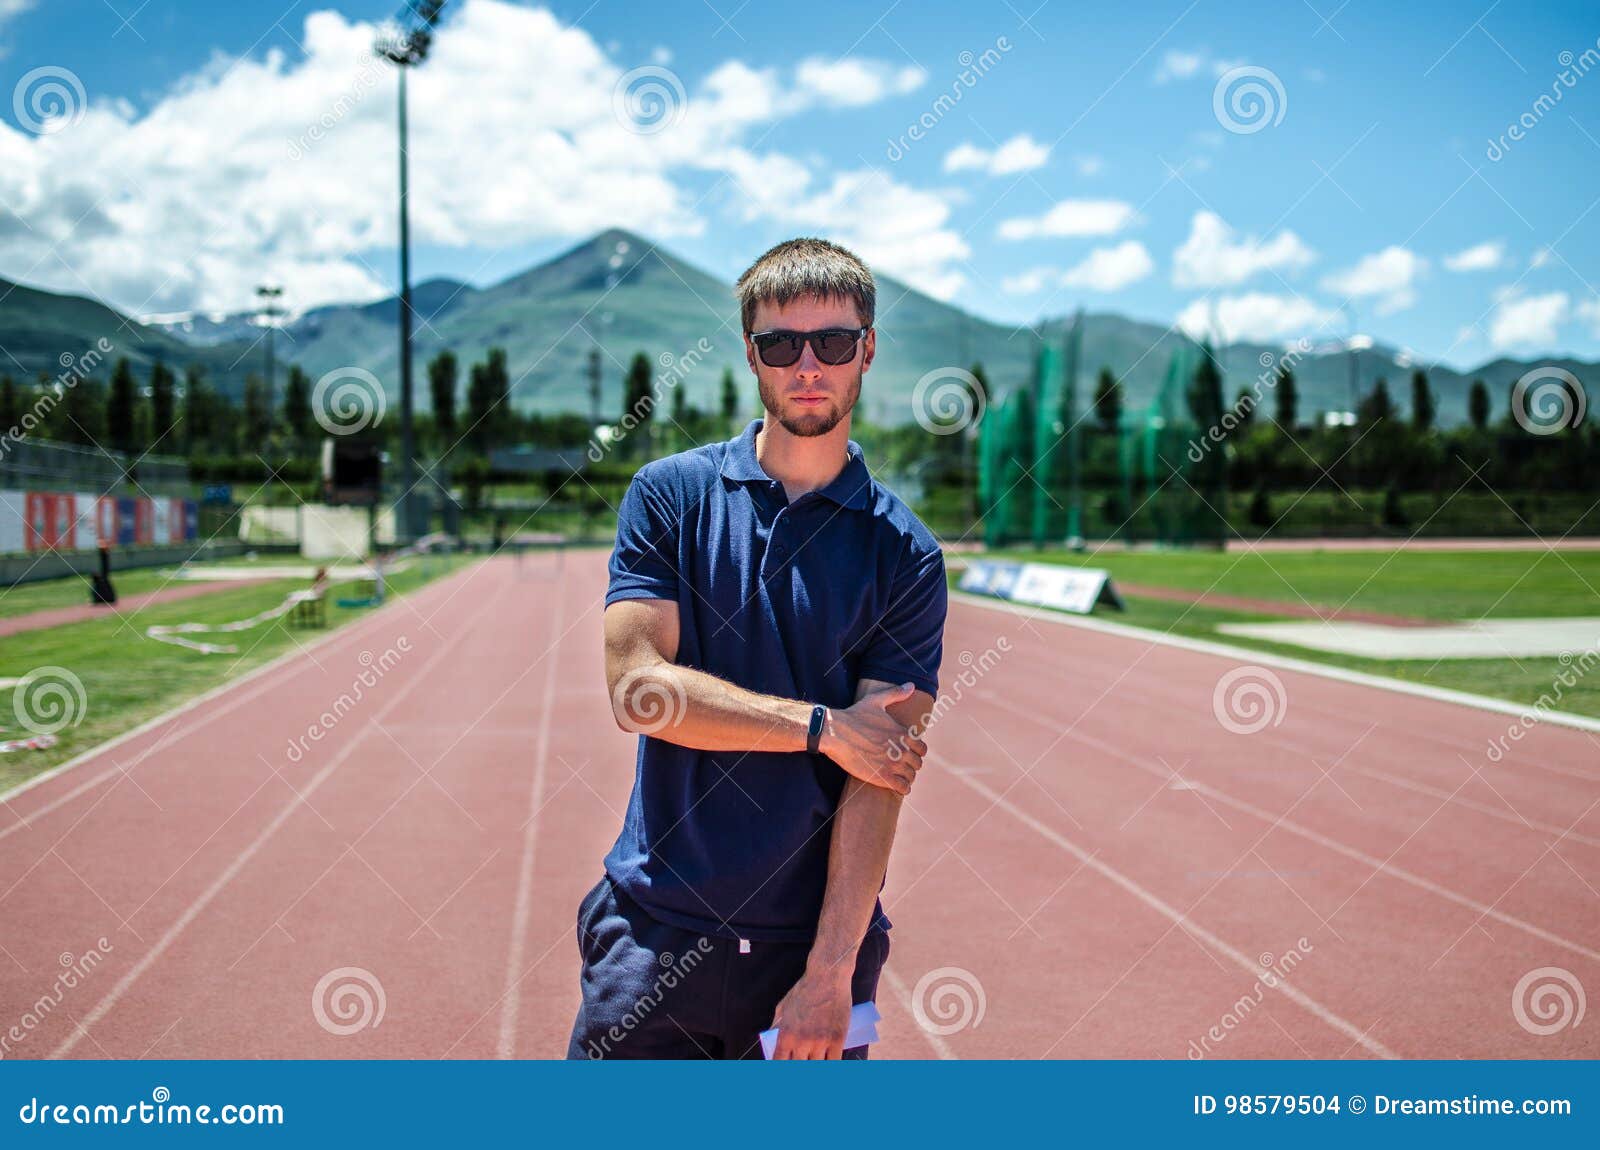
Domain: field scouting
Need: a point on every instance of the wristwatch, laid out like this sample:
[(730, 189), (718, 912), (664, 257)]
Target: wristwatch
[(819, 715)]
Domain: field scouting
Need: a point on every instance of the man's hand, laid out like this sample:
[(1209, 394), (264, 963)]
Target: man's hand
[(873, 745), (814, 1017)]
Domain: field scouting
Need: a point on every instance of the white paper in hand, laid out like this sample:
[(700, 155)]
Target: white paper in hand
[(864, 1019)]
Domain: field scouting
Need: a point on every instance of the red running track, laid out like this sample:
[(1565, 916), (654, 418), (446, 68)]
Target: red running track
[(1091, 857)]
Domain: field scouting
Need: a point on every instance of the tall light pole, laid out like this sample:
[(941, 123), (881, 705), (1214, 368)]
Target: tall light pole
[(270, 311), (405, 47)]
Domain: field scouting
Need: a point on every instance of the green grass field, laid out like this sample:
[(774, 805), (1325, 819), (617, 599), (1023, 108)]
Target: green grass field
[(1442, 585), (128, 678)]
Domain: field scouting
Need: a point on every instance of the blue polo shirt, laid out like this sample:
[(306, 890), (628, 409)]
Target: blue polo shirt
[(800, 600)]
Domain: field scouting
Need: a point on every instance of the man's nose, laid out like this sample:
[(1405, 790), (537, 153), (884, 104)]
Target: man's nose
[(808, 367)]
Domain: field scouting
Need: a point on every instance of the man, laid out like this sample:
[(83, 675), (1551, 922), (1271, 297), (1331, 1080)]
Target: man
[(773, 628)]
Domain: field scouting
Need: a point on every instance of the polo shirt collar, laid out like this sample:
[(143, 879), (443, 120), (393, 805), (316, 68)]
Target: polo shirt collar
[(851, 488)]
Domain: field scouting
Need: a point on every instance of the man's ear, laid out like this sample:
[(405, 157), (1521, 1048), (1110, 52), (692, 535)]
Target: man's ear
[(750, 353), (869, 348)]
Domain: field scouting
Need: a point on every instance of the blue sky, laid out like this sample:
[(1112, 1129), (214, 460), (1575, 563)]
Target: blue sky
[(1093, 156)]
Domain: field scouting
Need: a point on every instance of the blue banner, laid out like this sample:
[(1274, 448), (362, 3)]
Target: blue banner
[(762, 1105)]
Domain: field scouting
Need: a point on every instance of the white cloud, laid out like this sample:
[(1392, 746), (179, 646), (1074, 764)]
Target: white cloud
[(854, 82), (275, 167), (1214, 255), (1019, 154), (1486, 256), (1072, 218), (1255, 316), (1388, 277), (1528, 320), (1111, 269), (1589, 310), (1088, 166), (897, 229), (1102, 270), (1179, 65), (1029, 282)]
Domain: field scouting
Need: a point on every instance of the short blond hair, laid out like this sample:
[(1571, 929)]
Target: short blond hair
[(804, 267)]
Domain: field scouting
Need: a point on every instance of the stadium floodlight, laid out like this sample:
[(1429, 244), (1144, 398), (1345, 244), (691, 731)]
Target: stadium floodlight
[(270, 311), (405, 44)]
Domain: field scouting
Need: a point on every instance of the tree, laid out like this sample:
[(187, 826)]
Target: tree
[(10, 405), (480, 406), (297, 404), (1108, 400), (730, 398), (1205, 392), (442, 392), (502, 419), (83, 411), (1288, 398), (257, 414), (199, 410), (162, 408), (1376, 406), (638, 397), (1422, 405), (1244, 407), (1478, 405), (122, 408)]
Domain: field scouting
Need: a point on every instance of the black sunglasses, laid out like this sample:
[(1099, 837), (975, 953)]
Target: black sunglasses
[(833, 345)]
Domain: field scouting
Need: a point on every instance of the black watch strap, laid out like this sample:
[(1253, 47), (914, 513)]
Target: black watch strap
[(814, 731)]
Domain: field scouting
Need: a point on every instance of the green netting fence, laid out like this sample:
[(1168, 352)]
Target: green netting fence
[(1052, 471)]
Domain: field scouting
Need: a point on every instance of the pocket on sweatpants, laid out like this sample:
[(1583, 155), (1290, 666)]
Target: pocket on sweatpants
[(587, 913)]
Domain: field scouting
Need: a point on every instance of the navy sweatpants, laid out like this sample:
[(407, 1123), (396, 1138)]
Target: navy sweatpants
[(653, 990)]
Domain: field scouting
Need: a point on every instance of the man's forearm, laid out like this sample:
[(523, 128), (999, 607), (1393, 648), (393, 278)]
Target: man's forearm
[(696, 709), (858, 858)]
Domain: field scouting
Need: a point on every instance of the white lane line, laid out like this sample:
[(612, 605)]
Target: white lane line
[(350, 631), (1264, 658), (193, 910), (1379, 866), (511, 1001), (940, 1046), (1244, 961)]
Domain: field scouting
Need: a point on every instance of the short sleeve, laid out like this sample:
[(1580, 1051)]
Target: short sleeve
[(644, 562), (907, 644)]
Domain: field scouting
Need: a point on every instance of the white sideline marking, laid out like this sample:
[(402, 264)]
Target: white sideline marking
[(1265, 658)]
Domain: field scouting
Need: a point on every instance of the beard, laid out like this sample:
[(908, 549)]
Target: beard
[(807, 424)]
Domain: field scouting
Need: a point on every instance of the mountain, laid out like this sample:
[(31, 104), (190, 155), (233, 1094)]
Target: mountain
[(623, 294), (42, 332)]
